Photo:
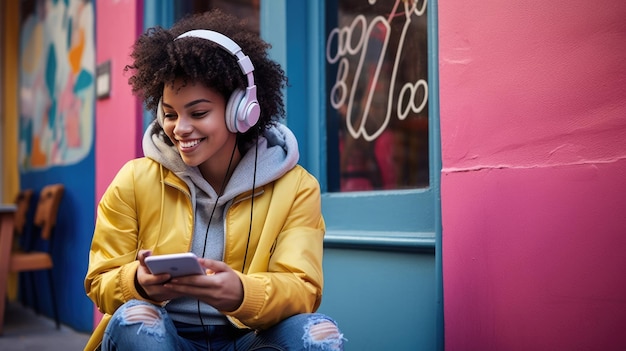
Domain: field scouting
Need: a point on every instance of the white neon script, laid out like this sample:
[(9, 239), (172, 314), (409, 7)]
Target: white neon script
[(373, 40)]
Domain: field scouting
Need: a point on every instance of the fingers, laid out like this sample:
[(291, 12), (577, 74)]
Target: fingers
[(142, 254), (152, 284), (144, 276), (222, 289), (213, 266)]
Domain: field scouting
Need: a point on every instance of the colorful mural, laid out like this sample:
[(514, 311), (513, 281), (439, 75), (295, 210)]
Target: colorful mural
[(57, 99)]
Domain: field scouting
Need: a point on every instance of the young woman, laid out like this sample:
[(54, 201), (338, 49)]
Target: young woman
[(219, 179)]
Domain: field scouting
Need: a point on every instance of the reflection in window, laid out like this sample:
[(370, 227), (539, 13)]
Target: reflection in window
[(376, 56)]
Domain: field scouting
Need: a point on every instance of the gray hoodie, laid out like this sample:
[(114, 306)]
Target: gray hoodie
[(277, 154)]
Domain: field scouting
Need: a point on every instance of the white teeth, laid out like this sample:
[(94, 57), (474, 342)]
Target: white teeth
[(190, 143)]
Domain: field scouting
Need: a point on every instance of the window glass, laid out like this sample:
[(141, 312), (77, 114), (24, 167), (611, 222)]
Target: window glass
[(377, 107)]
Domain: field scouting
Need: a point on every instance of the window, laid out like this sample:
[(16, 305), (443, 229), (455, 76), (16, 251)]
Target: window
[(377, 90), (382, 163)]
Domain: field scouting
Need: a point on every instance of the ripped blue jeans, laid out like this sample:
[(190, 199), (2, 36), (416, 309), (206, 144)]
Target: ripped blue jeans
[(138, 325)]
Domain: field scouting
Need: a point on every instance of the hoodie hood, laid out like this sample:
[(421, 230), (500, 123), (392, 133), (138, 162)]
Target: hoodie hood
[(276, 153)]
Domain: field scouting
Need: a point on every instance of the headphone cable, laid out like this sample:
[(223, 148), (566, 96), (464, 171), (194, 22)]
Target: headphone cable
[(256, 155)]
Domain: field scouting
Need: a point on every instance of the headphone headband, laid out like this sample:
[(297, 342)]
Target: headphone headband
[(227, 44)]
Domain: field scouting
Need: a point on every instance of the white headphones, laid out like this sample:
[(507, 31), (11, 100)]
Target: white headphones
[(242, 109)]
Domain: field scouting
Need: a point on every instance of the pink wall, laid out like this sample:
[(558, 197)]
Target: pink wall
[(118, 118), (533, 125)]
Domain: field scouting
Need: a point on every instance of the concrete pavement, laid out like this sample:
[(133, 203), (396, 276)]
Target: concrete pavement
[(25, 330)]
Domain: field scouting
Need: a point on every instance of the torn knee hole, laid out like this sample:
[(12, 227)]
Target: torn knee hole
[(141, 314), (323, 331)]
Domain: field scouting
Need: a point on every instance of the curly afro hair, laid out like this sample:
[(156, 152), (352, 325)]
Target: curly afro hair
[(158, 59)]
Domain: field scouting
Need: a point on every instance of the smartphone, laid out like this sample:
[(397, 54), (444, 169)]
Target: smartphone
[(177, 265)]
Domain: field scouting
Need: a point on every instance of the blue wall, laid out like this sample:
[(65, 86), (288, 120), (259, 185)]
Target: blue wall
[(71, 242)]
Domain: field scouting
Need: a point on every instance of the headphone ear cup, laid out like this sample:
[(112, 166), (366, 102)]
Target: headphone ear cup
[(160, 112), (232, 110)]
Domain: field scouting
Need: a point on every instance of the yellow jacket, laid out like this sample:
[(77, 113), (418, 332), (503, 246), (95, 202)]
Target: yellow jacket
[(148, 207)]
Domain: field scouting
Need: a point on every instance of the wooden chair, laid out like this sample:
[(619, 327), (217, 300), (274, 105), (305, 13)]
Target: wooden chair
[(32, 258), (22, 202), (7, 217), (21, 218)]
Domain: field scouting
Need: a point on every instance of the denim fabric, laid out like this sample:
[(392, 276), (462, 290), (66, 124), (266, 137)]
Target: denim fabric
[(152, 329)]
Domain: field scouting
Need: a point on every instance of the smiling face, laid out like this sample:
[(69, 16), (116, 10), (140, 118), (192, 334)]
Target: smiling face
[(194, 122)]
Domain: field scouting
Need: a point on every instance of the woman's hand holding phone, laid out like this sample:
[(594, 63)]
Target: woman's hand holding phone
[(152, 284), (210, 281), (220, 288)]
